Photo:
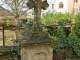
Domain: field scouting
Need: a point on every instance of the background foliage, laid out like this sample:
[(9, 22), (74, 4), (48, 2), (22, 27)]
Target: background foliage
[(70, 41)]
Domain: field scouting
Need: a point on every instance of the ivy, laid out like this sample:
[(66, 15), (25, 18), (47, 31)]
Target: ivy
[(28, 28), (11, 52), (70, 41)]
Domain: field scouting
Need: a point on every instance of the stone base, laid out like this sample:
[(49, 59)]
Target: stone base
[(37, 52)]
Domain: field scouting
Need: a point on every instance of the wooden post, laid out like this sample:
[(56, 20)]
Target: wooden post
[(3, 36)]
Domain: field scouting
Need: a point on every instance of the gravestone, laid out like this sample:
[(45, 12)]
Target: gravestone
[(36, 45)]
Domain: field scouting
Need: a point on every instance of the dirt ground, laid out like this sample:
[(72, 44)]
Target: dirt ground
[(7, 58)]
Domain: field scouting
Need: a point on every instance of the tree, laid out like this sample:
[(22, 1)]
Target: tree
[(16, 7)]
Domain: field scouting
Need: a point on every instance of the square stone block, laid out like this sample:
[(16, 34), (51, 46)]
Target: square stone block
[(37, 52)]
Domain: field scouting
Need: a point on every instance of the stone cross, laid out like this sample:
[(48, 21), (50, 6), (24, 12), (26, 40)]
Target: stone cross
[(36, 46), (37, 5)]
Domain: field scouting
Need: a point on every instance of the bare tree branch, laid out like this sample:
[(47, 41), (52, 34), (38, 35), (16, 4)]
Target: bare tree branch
[(16, 6)]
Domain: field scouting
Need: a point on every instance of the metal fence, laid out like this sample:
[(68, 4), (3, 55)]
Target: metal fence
[(9, 50), (7, 37)]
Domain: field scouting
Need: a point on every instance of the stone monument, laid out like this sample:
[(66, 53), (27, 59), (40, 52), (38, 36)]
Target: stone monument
[(36, 45)]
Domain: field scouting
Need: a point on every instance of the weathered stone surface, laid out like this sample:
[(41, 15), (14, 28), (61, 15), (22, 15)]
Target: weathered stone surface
[(40, 51), (37, 52)]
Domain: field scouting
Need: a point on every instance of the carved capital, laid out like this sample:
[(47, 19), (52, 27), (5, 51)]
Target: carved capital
[(31, 4), (44, 5)]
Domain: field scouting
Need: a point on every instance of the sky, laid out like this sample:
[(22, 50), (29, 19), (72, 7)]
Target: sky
[(4, 6), (7, 7)]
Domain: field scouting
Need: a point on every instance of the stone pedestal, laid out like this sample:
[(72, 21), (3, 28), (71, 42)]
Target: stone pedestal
[(37, 52), (36, 47)]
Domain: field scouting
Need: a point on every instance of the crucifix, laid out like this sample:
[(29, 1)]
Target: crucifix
[(37, 5)]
